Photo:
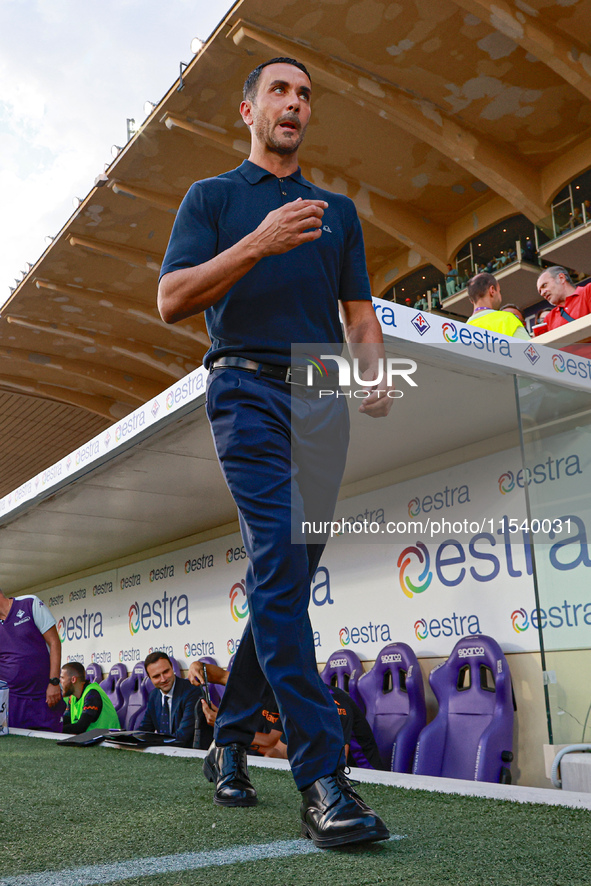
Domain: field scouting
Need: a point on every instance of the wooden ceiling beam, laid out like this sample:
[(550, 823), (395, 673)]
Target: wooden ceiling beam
[(160, 201), (103, 342), (129, 254), (500, 169), (568, 58), (97, 404), (128, 307), (137, 389)]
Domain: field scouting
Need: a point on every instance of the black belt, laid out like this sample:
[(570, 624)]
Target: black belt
[(291, 375)]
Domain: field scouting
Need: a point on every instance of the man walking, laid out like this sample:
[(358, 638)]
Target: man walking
[(272, 259)]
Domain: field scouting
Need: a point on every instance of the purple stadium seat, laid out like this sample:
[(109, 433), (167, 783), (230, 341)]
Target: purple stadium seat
[(395, 708), (112, 683), (472, 735), (94, 672), (343, 669), (135, 692)]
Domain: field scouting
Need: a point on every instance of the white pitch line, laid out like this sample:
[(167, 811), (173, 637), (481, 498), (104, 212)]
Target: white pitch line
[(164, 864)]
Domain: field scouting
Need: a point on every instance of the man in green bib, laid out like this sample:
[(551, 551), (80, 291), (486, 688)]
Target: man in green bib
[(88, 706)]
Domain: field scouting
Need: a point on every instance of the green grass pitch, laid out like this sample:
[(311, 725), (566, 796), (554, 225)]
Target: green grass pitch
[(64, 808)]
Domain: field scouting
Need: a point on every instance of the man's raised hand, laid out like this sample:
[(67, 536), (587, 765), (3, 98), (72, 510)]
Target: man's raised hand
[(289, 226)]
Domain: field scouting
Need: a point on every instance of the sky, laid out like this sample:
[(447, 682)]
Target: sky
[(71, 73)]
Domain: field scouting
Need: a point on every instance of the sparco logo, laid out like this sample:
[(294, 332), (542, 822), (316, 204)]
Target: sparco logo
[(338, 663), (80, 594), (389, 659), (471, 652)]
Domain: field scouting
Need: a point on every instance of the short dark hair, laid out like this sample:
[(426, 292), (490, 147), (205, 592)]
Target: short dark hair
[(555, 270), (479, 285), (251, 84), (75, 669), (153, 657)]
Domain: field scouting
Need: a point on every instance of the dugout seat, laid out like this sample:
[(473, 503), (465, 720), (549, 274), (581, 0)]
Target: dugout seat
[(94, 673), (135, 694), (344, 669), (395, 708), (472, 734), (112, 685)]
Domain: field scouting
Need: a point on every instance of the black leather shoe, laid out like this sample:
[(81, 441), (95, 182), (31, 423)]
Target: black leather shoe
[(233, 786), (210, 770), (333, 814)]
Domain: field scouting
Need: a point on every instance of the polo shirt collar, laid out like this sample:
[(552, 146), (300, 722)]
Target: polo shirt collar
[(254, 174)]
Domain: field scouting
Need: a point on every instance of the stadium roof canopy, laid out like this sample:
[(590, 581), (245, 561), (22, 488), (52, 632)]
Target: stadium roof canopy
[(438, 119)]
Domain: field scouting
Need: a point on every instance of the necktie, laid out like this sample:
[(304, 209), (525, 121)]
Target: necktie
[(165, 715)]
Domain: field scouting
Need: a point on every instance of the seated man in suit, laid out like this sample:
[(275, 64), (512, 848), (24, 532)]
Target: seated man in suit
[(171, 705)]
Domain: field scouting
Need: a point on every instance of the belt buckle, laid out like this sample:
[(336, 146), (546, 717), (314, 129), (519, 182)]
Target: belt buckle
[(290, 380)]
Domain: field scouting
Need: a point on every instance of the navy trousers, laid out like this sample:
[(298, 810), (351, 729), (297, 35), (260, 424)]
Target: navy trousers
[(283, 460)]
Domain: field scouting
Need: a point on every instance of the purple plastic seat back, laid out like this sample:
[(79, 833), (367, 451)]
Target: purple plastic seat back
[(94, 672), (472, 734), (112, 686), (395, 707), (344, 669), (135, 694), (215, 690)]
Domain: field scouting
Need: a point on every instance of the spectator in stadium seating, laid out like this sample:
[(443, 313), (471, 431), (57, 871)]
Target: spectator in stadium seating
[(30, 658), (485, 294), (451, 279), (568, 302), (513, 309), (88, 706), (541, 315), (171, 705)]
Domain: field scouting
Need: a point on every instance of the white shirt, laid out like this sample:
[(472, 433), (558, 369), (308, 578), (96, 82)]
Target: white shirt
[(169, 696)]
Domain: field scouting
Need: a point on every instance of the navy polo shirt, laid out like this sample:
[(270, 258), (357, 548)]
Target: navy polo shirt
[(283, 299)]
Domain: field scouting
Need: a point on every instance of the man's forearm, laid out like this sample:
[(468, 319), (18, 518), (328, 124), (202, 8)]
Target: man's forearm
[(191, 291), (366, 343)]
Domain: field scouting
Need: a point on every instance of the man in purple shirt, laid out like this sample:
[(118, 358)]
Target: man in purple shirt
[(30, 660)]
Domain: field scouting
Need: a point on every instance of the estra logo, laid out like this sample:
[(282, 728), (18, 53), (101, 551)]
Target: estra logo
[(232, 646), (369, 633), (567, 615), (61, 629), (444, 498), (409, 557), (238, 601), (545, 471), (506, 482), (164, 612), (520, 620), (453, 625), (559, 363), (134, 619), (477, 338), (450, 333)]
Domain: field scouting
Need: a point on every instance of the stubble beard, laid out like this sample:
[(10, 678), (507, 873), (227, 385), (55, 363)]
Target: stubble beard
[(264, 134)]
